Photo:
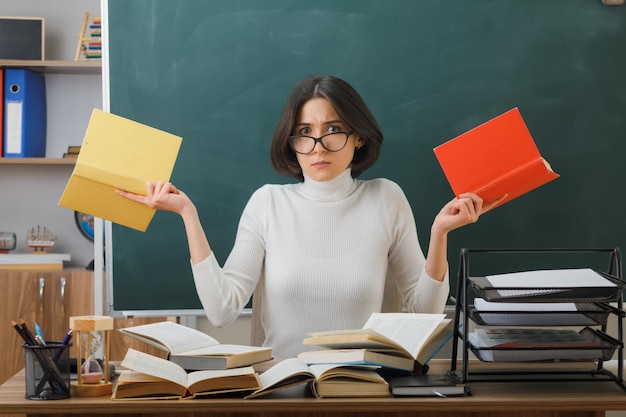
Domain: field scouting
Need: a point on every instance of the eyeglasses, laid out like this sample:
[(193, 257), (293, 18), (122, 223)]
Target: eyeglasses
[(332, 142)]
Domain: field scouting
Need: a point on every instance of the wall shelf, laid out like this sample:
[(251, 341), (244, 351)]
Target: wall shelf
[(55, 67), (37, 161)]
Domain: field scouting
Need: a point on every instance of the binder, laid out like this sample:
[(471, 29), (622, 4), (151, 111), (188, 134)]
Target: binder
[(1, 112), (24, 114)]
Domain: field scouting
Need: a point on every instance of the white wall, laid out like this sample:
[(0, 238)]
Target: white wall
[(30, 193)]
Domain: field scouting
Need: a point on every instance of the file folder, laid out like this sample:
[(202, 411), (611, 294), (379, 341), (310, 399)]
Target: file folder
[(24, 114)]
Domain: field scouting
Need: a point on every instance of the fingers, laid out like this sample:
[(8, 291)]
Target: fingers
[(157, 193), (471, 204), (494, 203), (131, 196)]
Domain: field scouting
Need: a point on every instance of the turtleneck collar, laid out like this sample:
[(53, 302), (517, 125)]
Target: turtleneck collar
[(332, 190)]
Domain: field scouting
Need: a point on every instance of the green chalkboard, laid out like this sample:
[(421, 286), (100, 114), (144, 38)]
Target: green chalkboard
[(217, 73)]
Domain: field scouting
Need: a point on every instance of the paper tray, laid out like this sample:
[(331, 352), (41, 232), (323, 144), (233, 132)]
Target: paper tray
[(606, 346), (587, 314), (483, 288)]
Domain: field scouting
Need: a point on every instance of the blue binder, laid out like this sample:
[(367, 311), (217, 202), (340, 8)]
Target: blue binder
[(24, 114)]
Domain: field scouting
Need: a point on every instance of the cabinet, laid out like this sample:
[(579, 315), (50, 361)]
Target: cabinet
[(579, 303), (47, 297), (50, 298)]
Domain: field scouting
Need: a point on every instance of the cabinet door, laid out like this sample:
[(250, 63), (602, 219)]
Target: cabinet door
[(19, 301), (63, 294)]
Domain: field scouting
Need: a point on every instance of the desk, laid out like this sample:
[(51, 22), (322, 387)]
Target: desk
[(572, 399)]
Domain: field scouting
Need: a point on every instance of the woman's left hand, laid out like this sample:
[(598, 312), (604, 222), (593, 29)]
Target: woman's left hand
[(465, 209)]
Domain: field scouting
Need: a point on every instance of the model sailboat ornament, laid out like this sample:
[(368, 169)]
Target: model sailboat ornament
[(40, 239)]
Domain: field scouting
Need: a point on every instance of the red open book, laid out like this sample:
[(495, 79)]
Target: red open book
[(495, 158)]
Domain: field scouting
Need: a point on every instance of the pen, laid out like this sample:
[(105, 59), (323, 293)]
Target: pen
[(67, 337), (40, 333), (65, 342)]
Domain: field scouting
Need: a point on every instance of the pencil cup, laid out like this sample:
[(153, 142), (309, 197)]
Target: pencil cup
[(47, 371)]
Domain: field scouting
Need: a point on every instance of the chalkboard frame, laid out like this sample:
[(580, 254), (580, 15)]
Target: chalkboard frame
[(555, 60)]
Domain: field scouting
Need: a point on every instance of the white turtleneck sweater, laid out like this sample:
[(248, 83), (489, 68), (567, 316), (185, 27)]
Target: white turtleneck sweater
[(323, 251)]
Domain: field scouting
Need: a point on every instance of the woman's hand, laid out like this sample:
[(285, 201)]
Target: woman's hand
[(160, 195), (465, 209)]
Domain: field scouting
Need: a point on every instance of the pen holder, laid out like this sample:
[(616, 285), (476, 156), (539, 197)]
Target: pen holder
[(47, 371)]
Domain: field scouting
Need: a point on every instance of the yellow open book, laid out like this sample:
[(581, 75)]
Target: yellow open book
[(118, 153)]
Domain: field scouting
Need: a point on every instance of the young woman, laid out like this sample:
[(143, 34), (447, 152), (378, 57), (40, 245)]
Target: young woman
[(317, 253)]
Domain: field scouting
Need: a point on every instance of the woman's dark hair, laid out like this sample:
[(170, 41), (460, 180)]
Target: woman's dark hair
[(349, 106)]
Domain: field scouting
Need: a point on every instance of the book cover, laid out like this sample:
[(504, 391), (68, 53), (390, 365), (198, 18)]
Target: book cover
[(425, 386), (194, 350), (496, 158), (118, 153)]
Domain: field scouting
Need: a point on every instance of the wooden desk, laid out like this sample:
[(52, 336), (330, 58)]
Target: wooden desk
[(573, 399)]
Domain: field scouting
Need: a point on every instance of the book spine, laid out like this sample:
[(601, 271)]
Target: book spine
[(518, 181)]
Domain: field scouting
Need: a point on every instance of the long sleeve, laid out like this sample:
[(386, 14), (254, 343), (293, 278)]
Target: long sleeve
[(322, 252)]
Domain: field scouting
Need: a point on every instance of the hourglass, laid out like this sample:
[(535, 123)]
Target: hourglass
[(92, 336)]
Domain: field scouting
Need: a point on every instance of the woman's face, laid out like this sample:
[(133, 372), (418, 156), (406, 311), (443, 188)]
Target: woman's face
[(318, 117)]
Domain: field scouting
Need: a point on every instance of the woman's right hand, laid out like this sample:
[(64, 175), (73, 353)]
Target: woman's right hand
[(160, 195)]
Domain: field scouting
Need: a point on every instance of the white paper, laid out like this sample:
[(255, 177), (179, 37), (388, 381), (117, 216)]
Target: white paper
[(483, 305), (551, 278)]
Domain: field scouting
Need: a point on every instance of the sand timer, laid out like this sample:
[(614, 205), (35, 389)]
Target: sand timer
[(92, 337)]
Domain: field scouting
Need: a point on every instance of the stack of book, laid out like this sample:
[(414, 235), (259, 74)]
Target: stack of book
[(396, 341), (398, 346), (33, 261), (72, 152), (196, 364), (194, 350)]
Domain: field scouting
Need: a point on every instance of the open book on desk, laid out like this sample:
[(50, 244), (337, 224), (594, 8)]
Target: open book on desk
[(496, 158), (329, 380), (195, 350), (413, 337), (154, 377)]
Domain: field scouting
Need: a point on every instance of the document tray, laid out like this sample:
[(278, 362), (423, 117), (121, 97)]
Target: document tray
[(603, 348), (586, 314), (593, 294)]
